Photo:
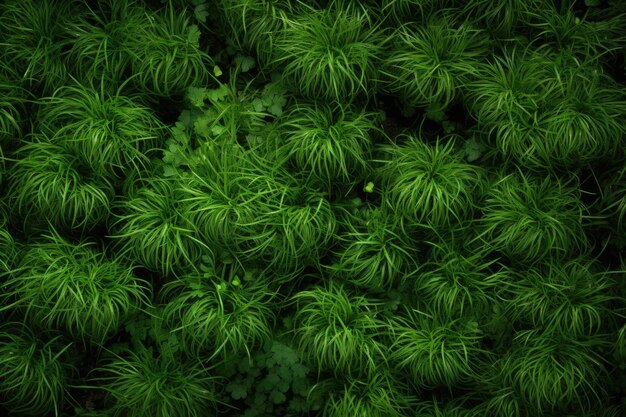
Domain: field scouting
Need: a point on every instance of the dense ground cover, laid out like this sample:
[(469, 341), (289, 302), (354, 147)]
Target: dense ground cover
[(410, 208)]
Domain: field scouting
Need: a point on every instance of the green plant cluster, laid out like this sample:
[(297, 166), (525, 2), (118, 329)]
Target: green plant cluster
[(393, 208)]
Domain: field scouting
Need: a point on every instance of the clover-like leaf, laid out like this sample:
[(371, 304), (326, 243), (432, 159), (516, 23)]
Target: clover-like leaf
[(237, 390), (193, 35), (277, 397), (197, 95), (245, 63), (474, 149)]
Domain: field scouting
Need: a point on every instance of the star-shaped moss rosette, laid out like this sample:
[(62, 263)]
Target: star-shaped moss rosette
[(337, 331), (36, 370), (48, 184), (528, 218), (142, 383), (331, 53), (74, 288), (149, 228), (220, 315), (32, 41)]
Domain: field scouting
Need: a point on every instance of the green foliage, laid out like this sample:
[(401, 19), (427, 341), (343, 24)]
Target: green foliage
[(428, 64), (74, 288), (218, 314), (582, 123), (401, 11), (98, 41), (11, 107), (108, 131), (511, 87), (296, 233), (613, 205), (569, 298), (219, 206), (286, 228), (8, 247), (564, 29), (151, 231), (436, 408), (458, 283), (429, 184), (620, 347), (33, 34), (145, 383), (222, 121), (47, 184), (295, 208), (527, 218), (502, 18), (255, 25), (374, 252), (166, 57), (337, 331), (500, 402), (329, 144), (551, 373), (548, 109), (376, 396), (274, 381), (35, 371), (331, 53), (432, 352)]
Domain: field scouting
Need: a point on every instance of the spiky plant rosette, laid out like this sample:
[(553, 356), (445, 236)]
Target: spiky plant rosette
[(109, 131), (442, 408), (620, 346), (498, 401), (553, 373), (47, 184), (501, 18), (255, 25), (12, 99), (149, 227), (74, 288), (220, 315), (332, 53), (33, 35), (569, 298), (337, 331), (301, 230), (397, 12), (581, 123), (527, 218), (166, 56), (146, 384), (225, 195), (559, 26), (432, 352), (427, 64), (293, 227), (457, 283), (330, 144), (35, 371), (507, 96), (513, 82), (217, 207), (613, 204), (377, 396), (429, 183), (96, 40), (374, 251), (8, 246)]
